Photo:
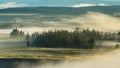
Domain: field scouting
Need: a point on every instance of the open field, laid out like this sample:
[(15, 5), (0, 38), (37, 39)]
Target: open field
[(53, 53), (16, 48)]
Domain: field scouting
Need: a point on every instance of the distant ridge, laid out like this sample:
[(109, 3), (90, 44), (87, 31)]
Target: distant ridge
[(63, 10)]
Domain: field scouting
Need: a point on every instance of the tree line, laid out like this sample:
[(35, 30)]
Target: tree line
[(65, 39), (61, 39)]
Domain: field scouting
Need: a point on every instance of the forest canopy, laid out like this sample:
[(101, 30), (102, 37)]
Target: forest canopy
[(84, 39), (62, 39)]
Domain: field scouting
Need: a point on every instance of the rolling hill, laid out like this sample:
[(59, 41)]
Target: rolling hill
[(63, 10)]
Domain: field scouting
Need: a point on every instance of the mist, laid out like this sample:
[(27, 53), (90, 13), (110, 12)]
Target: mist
[(107, 60), (18, 52), (92, 20), (95, 20)]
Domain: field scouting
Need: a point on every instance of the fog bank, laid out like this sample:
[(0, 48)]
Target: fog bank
[(110, 60)]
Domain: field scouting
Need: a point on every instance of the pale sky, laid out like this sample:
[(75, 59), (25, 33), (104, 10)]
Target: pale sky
[(60, 3)]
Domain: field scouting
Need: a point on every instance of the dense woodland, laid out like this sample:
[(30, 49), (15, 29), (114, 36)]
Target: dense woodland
[(61, 39), (66, 39)]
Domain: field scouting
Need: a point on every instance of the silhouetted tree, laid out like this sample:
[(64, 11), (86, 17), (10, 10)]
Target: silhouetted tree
[(17, 33)]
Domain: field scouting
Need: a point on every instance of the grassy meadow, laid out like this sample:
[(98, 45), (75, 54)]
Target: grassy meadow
[(52, 53)]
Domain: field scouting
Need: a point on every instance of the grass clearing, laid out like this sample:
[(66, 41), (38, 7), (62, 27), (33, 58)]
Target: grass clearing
[(53, 53)]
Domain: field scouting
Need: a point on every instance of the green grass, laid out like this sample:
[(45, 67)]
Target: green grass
[(52, 53)]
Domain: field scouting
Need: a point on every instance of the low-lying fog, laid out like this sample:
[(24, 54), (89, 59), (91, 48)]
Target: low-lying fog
[(92, 20), (110, 60)]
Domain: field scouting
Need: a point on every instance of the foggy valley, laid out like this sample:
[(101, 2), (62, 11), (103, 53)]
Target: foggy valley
[(77, 25)]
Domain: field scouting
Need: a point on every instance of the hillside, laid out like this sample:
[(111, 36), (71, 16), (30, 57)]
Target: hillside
[(63, 10), (96, 17)]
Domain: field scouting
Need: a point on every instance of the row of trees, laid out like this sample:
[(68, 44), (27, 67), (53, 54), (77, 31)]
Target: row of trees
[(61, 39), (99, 35), (65, 39)]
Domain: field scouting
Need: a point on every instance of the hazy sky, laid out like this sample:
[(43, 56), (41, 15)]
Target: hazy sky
[(18, 3)]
